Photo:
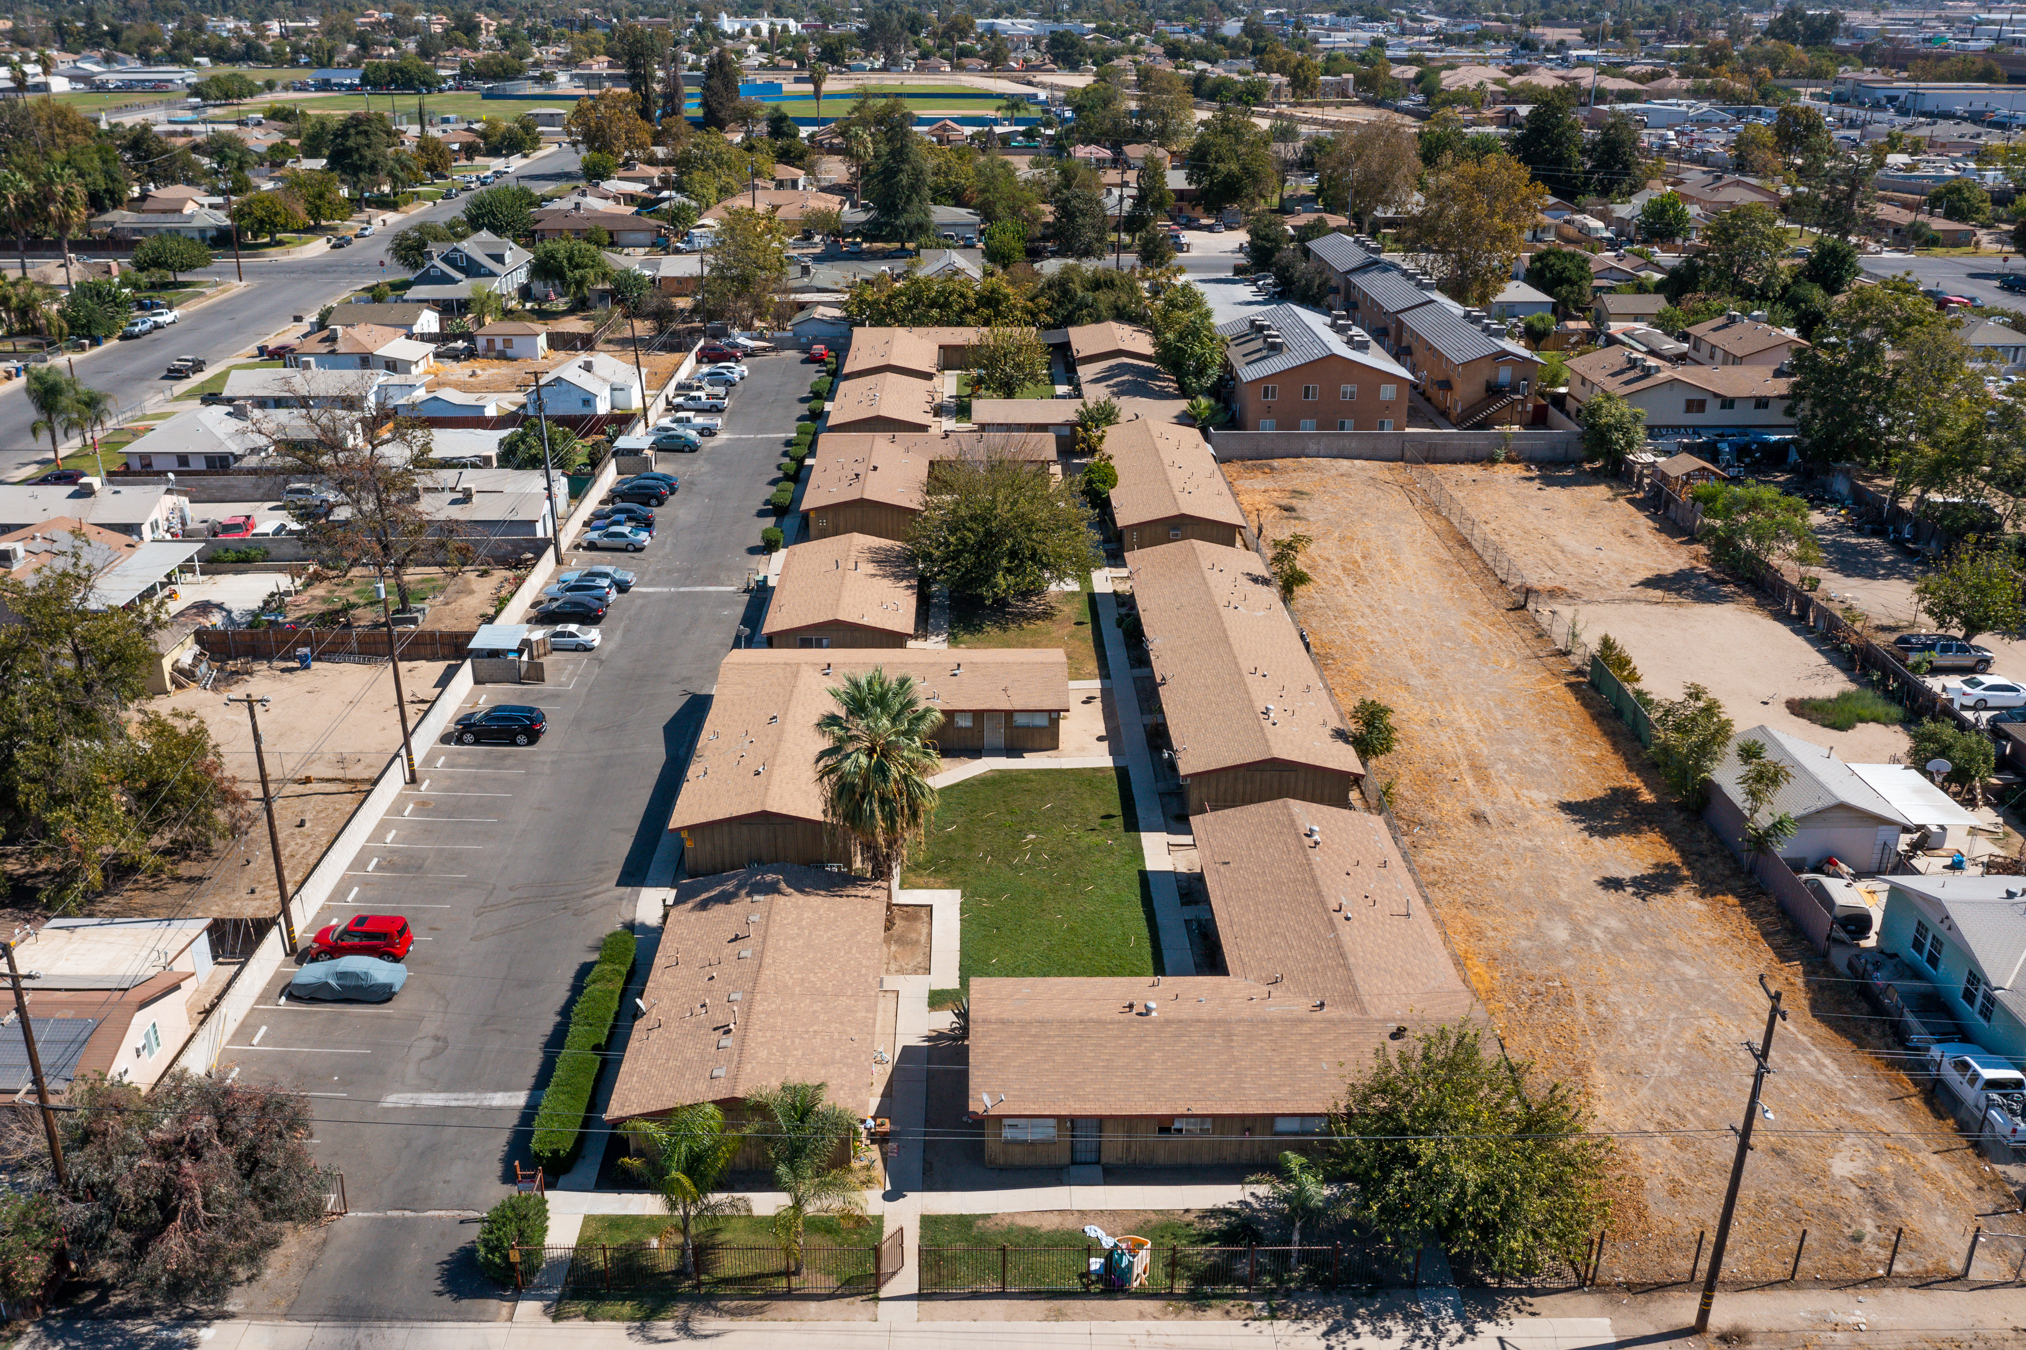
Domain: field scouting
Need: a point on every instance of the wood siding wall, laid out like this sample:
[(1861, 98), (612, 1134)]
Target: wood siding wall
[(1137, 1141), (877, 519), (1154, 533), (840, 635), (1265, 783), (952, 739), (726, 846)]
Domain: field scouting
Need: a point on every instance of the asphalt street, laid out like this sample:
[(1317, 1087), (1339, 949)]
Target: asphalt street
[(510, 865), (277, 291), (1975, 278)]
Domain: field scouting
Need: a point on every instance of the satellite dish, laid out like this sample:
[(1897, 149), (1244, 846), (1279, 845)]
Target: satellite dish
[(1938, 767)]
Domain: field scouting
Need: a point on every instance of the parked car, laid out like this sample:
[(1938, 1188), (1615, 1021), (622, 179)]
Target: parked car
[(1944, 652), (717, 351), (617, 536), (572, 637), (365, 231), (386, 936), (719, 378), (140, 327), (1856, 909), (508, 723), (341, 241), (1985, 691), (677, 438), (59, 476), (618, 578), (164, 317), (366, 979), (233, 527), (647, 494), (622, 513), (588, 589), (735, 369), (1971, 1074), (2012, 283), (702, 424), (704, 402), (183, 367), (818, 354)]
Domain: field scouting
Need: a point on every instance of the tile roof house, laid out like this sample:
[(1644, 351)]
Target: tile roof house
[(1330, 950), (1245, 712), (763, 976), (1292, 371), (1684, 398), (848, 590), (1169, 487), (749, 793), (875, 485), (1739, 340)]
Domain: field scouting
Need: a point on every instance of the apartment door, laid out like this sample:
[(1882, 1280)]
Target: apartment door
[(1086, 1133), (995, 733), (1504, 376)]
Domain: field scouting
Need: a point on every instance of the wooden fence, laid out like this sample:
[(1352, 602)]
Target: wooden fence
[(270, 644)]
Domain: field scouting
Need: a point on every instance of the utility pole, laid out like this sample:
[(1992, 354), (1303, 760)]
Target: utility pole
[(400, 699), (35, 1063), (237, 266), (548, 470), (1775, 1015), (267, 800)]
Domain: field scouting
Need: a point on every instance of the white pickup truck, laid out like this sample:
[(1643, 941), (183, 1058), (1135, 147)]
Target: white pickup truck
[(700, 423), (702, 402), (1972, 1074)]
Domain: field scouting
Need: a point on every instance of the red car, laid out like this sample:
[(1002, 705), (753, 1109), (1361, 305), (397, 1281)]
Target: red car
[(717, 352), (819, 354), (383, 935), (61, 476)]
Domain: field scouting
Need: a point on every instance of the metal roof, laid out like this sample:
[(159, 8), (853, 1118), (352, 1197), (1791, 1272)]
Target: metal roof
[(1820, 779), (1395, 293), (1456, 337), (143, 567), (59, 1041), (1341, 252), (1305, 336)]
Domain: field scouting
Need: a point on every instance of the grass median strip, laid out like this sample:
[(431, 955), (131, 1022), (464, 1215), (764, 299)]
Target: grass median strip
[(559, 1124)]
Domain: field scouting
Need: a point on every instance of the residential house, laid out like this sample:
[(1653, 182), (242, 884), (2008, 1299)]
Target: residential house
[(1992, 341), (1837, 814), (960, 219), (124, 566), (513, 340), (1292, 371), (290, 387), (590, 385), (1969, 934), (1718, 192), (1611, 310), (481, 259), (1245, 715), (749, 795), (1620, 269), (365, 346), (1093, 343), (796, 1001), (1517, 300), (1169, 487), (1685, 398), (888, 401), (946, 133), (202, 438), (1740, 340), (875, 485), (1895, 225), (136, 510), (847, 590), (824, 324), (457, 404), (202, 224), (411, 317), (623, 228), (789, 206), (1234, 1070)]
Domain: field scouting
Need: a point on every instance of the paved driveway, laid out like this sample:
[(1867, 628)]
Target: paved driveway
[(511, 864)]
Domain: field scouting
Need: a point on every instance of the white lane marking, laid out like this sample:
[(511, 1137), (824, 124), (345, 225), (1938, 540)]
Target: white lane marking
[(474, 770), (258, 1034), (390, 836), (457, 820), (233, 1077), (373, 864), (677, 590), (439, 761), (472, 794), (432, 846), (355, 891), (485, 1099), (301, 1049), (327, 1094), (404, 876)]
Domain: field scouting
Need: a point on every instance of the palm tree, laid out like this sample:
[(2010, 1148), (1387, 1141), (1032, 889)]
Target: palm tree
[(802, 1132), (685, 1156), (67, 209), (50, 393), (1299, 1193), (90, 411), (818, 73), (20, 210), (1010, 109), (1205, 412), (856, 143), (875, 771)]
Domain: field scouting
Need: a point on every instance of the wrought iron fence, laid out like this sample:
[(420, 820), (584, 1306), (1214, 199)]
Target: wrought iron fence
[(592, 1268), (1169, 1269)]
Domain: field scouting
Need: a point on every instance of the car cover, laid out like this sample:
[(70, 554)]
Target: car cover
[(349, 977)]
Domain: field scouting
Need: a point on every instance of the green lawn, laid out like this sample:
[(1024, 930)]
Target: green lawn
[(459, 105), (215, 383), (665, 1299), (1179, 1228), (1049, 870), (1057, 619)]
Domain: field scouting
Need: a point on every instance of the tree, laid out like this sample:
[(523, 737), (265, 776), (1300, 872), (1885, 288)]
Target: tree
[(1186, 342), (743, 267), (31, 1241), (266, 214), (684, 1157), (1372, 732), (519, 1220), (229, 87), (1536, 329), (50, 392), (1832, 265), (1762, 778), (1474, 220), (178, 1193), (819, 75), (65, 208), (1800, 133), (433, 155), (1231, 160), (1961, 200), (993, 529), (1445, 1140), (1077, 294), (901, 195), (1005, 243), (1564, 276), (1167, 108), (640, 51), (96, 307), (1755, 523), (1152, 199), (630, 291), (314, 193), (1616, 660), (572, 266), (20, 210), (1855, 398), (1742, 249), (1299, 1194), (1665, 218), (1550, 143), (1007, 360), (1691, 735), (720, 90), (410, 247), (609, 124), (875, 771), (1285, 564), (359, 150), (1612, 430), (1081, 226), (1373, 166), (1265, 236), (1153, 247), (505, 209), (1971, 754), (1754, 152), (482, 305), (1975, 591)]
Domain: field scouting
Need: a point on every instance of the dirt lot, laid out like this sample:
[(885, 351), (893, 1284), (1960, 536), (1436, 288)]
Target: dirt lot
[(1593, 555), (481, 375), (1610, 937), (456, 600)]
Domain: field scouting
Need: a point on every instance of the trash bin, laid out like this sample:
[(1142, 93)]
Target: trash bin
[(302, 658)]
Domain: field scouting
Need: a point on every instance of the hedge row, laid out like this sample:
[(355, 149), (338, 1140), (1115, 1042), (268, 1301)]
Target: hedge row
[(821, 387), (559, 1124)]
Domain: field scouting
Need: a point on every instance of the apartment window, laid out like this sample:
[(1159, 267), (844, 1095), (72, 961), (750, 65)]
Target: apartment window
[(1388, 392), (182, 461), (1299, 1124), (1977, 995), (1347, 424), (1694, 405), (1187, 1125), (1030, 719), (812, 641), (1311, 392), (217, 461), (1927, 947), (1385, 424), (1308, 424), (147, 461), (1761, 404), (1269, 392), (151, 1040), (1015, 1130), (1726, 404), (1347, 393), (1268, 424)]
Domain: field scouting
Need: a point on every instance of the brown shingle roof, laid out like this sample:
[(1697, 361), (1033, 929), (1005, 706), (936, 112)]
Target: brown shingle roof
[(762, 977), (1167, 470), (1097, 341), (849, 578), (757, 750), (1025, 412), (1224, 650), (892, 468), (1617, 369), (902, 349), (1741, 337), (509, 328), (364, 337), (1335, 916), (887, 397)]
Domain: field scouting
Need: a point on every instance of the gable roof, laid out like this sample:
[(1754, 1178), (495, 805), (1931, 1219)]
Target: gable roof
[(1820, 781), (1341, 252), (1987, 915), (1096, 341), (1631, 306), (892, 468), (1167, 470), (902, 349), (398, 313), (1394, 292), (1736, 335), (1224, 650), (200, 431), (1458, 339), (1986, 333), (854, 579), (1305, 336), (887, 396)]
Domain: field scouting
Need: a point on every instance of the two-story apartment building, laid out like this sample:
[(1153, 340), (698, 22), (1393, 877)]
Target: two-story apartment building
[(1291, 371), (1686, 399), (1741, 340)]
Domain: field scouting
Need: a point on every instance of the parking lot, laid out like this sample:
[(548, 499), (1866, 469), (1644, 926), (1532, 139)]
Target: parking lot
[(510, 865)]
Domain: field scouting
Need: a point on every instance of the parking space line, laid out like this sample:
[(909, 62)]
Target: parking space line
[(390, 836), (405, 876), (456, 820), (425, 786), (302, 1049), (260, 1033), (462, 769), (355, 890)]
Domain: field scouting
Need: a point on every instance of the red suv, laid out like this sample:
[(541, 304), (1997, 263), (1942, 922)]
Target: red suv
[(383, 935), (717, 352)]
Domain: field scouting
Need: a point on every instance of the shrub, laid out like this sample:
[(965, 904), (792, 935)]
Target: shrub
[(798, 450), (1619, 661), (252, 554), (771, 539), (783, 497), (560, 1122), (805, 432), (519, 1220), (821, 388), (789, 468), (815, 408), (830, 365), (1848, 708)]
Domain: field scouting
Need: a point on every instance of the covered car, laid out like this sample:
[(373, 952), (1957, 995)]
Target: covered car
[(366, 979)]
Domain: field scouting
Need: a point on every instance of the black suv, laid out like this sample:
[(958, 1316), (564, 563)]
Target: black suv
[(649, 493), (1946, 653), (514, 723)]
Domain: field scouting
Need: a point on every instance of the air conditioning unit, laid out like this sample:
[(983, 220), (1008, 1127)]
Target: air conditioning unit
[(13, 555)]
